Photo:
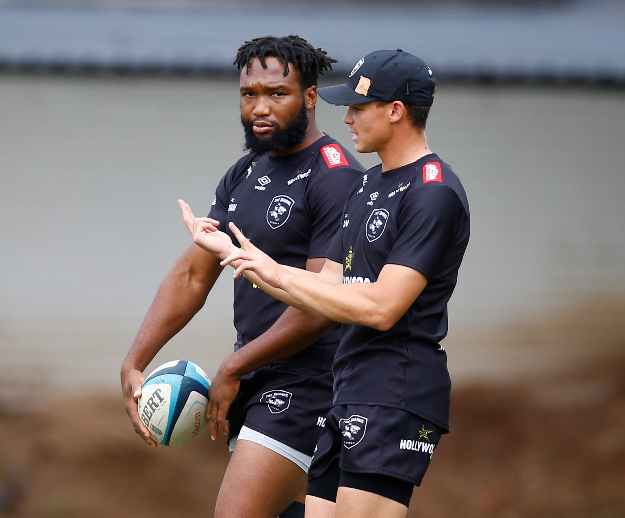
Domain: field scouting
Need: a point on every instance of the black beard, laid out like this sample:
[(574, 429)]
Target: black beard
[(283, 138)]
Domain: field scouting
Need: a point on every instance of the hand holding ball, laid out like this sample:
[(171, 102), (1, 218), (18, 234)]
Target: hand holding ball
[(173, 402)]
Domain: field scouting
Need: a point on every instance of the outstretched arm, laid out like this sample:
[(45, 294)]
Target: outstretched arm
[(205, 234), (378, 304)]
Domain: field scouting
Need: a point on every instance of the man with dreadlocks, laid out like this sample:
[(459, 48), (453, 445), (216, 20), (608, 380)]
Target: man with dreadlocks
[(287, 195)]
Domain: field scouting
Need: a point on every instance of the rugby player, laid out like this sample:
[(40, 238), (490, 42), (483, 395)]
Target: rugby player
[(390, 272), (287, 195)]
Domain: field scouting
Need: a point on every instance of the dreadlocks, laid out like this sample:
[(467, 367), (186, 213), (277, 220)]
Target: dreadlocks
[(308, 61)]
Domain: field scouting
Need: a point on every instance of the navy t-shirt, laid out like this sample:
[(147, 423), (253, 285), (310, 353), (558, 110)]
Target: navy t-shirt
[(416, 216), (289, 207)]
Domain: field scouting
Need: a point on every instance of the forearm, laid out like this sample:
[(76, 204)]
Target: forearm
[(345, 303), (290, 334), (276, 293), (281, 294)]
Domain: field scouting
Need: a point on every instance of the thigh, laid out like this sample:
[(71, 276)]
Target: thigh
[(319, 507), (258, 483), (355, 503), (286, 403), (386, 441)]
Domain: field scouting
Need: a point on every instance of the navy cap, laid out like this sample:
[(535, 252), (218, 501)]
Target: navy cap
[(385, 75)]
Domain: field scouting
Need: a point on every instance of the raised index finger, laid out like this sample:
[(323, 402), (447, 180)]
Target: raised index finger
[(185, 209), (243, 241)]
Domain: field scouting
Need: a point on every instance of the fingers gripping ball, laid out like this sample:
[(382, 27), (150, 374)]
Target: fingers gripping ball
[(173, 402)]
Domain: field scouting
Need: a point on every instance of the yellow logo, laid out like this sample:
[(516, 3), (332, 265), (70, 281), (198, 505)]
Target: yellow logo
[(348, 259), (423, 433), (249, 170)]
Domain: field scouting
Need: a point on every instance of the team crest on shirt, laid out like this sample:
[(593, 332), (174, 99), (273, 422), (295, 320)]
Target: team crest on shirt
[(353, 430), (277, 400), (279, 210), (376, 224)]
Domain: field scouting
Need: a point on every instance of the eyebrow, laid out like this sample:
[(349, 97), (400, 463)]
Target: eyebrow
[(279, 86)]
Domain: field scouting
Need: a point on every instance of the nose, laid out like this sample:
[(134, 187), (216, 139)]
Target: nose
[(261, 107), (348, 119)]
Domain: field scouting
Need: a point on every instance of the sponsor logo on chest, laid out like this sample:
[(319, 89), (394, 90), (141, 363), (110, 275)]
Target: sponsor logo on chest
[(400, 188), (233, 206), (299, 177), (354, 280)]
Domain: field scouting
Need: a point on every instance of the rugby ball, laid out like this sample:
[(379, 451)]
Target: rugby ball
[(173, 402)]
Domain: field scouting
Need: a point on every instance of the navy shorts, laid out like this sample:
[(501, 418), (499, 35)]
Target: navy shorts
[(288, 403), (376, 440)]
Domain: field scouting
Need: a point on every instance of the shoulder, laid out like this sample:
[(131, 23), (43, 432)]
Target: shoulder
[(332, 156), (243, 164), (435, 180)]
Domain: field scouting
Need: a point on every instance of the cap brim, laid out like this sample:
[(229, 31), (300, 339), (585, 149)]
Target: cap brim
[(342, 95)]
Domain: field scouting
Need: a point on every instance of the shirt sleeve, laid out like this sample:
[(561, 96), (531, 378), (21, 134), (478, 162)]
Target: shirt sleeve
[(335, 250), (326, 197), (219, 206), (428, 221)]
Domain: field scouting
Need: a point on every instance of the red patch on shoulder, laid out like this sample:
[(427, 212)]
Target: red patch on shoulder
[(333, 155), (432, 172)]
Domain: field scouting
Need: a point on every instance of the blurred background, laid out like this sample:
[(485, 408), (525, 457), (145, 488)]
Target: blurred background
[(112, 110)]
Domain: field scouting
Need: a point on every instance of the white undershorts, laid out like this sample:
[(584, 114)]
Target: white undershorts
[(247, 434)]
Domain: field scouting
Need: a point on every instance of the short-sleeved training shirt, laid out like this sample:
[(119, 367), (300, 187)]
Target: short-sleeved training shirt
[(290, 207), (416, 216)]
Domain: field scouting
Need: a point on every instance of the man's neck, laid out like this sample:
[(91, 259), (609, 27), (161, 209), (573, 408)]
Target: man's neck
[(313, 133), (404, 148)]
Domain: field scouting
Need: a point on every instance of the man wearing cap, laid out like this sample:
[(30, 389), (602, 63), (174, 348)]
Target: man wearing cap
[(389, 273)]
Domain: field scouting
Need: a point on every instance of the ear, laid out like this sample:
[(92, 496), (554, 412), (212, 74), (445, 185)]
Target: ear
[(398, 111), (310, 97)]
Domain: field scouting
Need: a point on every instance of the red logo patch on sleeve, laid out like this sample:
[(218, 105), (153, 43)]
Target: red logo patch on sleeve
[(333, 155), (432, 172)]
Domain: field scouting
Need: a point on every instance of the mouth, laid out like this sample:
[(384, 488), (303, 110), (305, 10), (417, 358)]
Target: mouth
[(261, 127)]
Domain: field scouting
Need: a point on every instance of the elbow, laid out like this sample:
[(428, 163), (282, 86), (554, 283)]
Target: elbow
[(381, 320)]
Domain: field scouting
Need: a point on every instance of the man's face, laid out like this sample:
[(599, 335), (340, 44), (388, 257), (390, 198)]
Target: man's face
[(370, 126), (273, 111)]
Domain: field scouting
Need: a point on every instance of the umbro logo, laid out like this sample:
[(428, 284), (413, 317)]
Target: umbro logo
[(373, 196), (263, 181)]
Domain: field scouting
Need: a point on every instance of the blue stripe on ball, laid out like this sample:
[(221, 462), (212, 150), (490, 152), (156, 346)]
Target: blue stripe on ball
[(191, 372), (188, 385), (175, 381)]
